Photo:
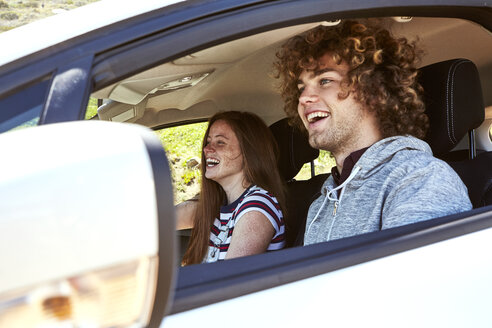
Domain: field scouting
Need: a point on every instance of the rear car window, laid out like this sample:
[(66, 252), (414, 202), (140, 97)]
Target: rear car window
[(23, 108), (183, 146), (322, 164)]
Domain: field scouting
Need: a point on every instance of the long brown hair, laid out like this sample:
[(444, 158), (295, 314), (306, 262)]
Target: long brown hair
[(382, 75), (260, 156)]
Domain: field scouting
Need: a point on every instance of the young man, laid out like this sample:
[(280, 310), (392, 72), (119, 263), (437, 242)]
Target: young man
[(353, 88)]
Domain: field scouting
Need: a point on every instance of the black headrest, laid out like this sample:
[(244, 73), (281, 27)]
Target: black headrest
[(453, 101), (293, 147)]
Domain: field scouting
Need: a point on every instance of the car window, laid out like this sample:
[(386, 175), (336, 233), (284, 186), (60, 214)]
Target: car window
[(198, 85), (322, 164), (183, 146), (91, 110), (183, 149), (23, 108)]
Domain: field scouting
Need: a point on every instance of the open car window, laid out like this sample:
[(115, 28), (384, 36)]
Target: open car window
[(238, 75)]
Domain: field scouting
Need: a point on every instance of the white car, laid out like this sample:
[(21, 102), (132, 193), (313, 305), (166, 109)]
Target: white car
[(87, 232)]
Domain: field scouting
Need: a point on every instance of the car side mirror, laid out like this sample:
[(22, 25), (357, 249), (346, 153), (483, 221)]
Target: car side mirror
[(87, 226)]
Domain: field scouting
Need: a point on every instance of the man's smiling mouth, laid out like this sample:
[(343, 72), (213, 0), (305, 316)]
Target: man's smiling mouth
[(316, 116)]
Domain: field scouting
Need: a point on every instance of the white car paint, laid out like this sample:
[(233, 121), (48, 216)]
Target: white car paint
[(446, 284)]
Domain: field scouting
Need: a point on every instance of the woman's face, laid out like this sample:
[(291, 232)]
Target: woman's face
[(224, 161)]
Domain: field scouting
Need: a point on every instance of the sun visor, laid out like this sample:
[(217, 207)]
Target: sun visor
[(119, 112)]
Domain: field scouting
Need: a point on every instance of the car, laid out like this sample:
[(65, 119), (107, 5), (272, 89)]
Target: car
[(87, 214)]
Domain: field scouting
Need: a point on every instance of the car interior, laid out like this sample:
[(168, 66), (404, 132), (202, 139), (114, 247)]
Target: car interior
[(456, 74)]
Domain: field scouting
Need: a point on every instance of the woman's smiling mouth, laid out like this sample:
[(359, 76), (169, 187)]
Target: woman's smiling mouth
[(211, 162)]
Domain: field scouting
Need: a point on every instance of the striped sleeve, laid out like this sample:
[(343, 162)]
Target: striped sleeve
[(261, 201)]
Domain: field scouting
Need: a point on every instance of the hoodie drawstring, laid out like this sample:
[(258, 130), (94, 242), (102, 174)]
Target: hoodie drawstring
[(332, 196)]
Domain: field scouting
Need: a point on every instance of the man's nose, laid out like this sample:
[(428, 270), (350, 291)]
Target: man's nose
[(308, 95)]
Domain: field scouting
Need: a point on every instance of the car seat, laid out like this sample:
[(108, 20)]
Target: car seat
[(454, 104), (295, 151)]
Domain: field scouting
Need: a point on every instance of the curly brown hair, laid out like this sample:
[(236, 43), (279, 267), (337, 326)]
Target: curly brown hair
[(382, 73)]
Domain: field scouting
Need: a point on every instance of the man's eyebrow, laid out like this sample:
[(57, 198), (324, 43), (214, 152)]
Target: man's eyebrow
[(318, 72), (324, 70)]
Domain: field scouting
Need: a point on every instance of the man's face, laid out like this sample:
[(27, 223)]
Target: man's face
[(333, 124)]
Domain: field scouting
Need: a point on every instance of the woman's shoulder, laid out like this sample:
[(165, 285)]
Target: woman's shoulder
[(260, 198), (256, 191)]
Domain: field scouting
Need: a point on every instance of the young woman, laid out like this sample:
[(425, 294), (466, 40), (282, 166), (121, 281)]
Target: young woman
[(239, 212)]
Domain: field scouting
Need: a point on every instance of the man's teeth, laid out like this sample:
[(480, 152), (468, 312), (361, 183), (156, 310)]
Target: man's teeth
[(212, 161), (314, 116)]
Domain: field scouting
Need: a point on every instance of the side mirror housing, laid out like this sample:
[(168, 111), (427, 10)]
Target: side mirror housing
[(87, 227)]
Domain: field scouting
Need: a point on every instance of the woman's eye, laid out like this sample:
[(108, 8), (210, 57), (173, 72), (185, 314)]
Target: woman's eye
[(324, 81), (301, 89)]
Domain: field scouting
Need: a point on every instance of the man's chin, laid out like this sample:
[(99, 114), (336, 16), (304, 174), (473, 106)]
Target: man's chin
[(315, 141), (318, 142)]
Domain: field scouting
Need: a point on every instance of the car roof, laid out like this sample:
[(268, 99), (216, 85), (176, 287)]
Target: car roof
[(46, 32), (228, 74)]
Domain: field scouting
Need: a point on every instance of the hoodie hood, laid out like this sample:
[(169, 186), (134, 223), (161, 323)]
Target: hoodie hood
[(385, 150), (379, 154)]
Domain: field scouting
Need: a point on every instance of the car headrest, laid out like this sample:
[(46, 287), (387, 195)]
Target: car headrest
[(453, 101), (294, 148)]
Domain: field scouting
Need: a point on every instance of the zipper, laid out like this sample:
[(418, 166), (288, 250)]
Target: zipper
[(335, 208)]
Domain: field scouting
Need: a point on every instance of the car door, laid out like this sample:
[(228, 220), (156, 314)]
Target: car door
[(343, 282)]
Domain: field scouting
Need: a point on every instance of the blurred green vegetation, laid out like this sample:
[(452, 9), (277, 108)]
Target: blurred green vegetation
[(15, 13), (91, 108), (322, 164), (182, 144)]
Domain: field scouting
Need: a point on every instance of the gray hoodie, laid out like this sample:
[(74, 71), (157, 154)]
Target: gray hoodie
[(397, 181)]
